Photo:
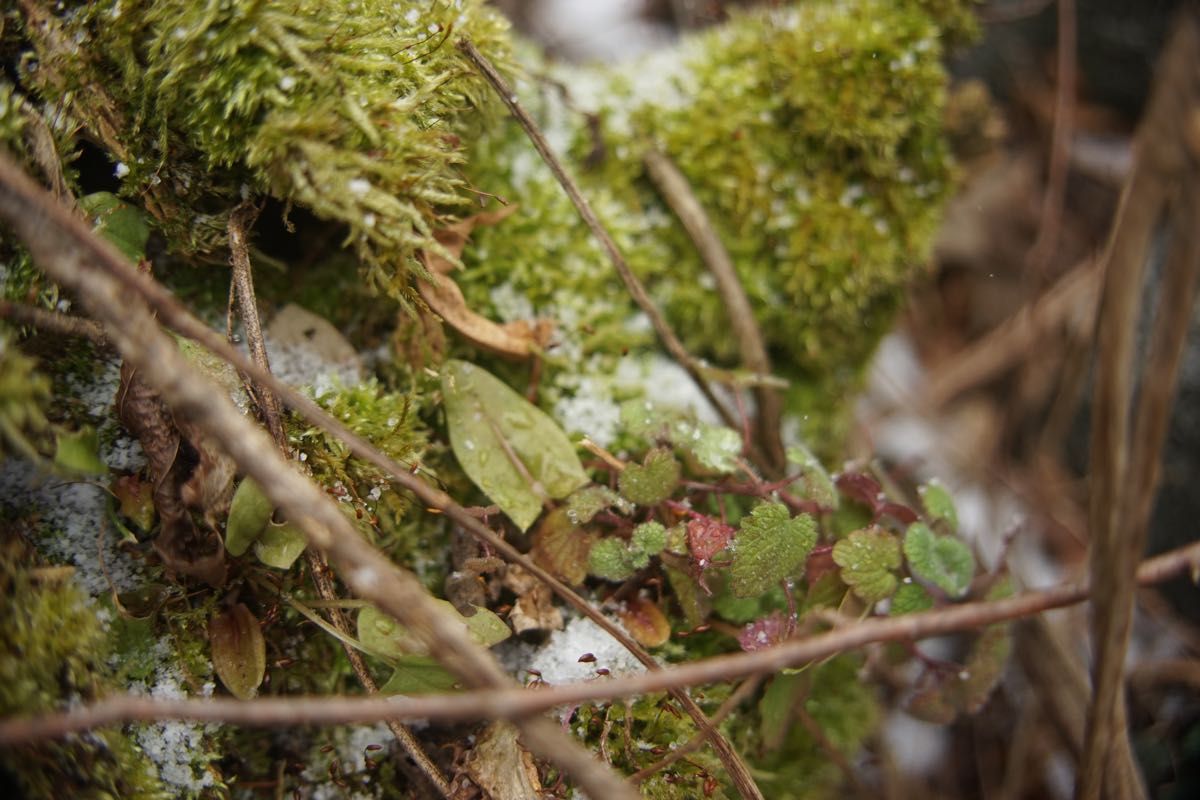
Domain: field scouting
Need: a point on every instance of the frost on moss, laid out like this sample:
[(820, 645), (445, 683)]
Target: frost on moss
[(62, 647), (354, 110), (811, 135)]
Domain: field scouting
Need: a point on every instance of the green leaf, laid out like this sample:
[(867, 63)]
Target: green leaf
[(383, 634), (910, 598), (79, 453), (611, 560), (280, 545), (249, 514), (239, 652), (716, 447), (944, 561), (814, 482), (653, 481), (118, 222), (649, 538), (690, 597), (589, 501), (939, 505), (419, 675), (770, 546), (491, 428), (777, 708), (867, 558)]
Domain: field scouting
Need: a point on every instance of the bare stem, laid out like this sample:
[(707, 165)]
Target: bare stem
[(510, 703), (632, 284), (51, 322), (674, 187)]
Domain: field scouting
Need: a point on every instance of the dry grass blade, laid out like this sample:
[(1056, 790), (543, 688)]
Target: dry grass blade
[(675, 189), (73, 256), (1123, 482)]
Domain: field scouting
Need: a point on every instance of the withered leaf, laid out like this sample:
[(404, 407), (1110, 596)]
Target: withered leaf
[(534, 608), (501, 767), (239, 652), (562, 547), (518, 339)]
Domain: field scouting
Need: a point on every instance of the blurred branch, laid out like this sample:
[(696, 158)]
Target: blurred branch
[(519, 703)]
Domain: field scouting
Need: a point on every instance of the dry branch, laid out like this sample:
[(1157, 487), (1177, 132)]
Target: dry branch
[(519, 703), (675, 189), (62, 245), (1124, 476)]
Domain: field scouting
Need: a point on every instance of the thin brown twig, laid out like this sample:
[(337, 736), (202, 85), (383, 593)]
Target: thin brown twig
[(512, 703), (71, 254), (632, 284), (1120, 496), (1040, 254), (735, 699), (240, 221), (53, 322), (673, 185), (738, 771)]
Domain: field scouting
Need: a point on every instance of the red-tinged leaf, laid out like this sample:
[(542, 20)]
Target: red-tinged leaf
[(645, 622), (239, 652), (896, 511), (820, 563), (707, 537), (860, 488), (763, 633)]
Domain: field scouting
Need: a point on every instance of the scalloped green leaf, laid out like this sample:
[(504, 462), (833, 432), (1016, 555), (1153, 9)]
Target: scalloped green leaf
[(943, 561), (516, 454), (249, 514), (611, 560), (649, 538), (868, 559), (583, 505), (939, 505), (652, 481), (814, 482), (279, 546), (419, 675), (716, 447), (910, 598), (770, 546), (78, 453)]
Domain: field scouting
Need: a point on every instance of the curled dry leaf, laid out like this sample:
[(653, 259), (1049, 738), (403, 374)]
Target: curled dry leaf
[(534, 608), (172, 461), (518, 339), (562, 547), (239, 652), (501, 767)]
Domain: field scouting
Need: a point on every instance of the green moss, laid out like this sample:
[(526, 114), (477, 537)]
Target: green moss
[(813, 138), (23, 393), (354, 110), (56, 650)]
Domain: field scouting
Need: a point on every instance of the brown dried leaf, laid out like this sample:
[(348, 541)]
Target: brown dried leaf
[(501, 767), (645, 622), (239, 652), (534, 608), (519, 339), (562, 547)]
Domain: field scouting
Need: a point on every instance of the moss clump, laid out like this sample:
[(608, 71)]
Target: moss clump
[(811, 135), (56, 650), (23, 392), (354, 110)]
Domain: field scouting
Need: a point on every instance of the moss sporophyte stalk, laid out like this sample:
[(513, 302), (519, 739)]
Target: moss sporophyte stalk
[(811, 134)]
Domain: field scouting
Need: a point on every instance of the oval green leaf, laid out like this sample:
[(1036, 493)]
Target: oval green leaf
[(509, 448), (249, 514), (280, 545), (239, 652), (943, 561)]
